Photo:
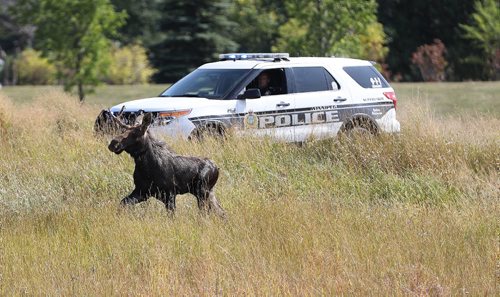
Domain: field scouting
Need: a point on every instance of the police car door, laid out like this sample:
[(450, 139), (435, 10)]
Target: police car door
[(317, 99), (270, 114)]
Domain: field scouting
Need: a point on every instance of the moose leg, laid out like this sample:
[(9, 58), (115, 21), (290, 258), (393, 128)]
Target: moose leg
[(202, 201), (214, 205), (170, 203), (207, 202), (133, 198)]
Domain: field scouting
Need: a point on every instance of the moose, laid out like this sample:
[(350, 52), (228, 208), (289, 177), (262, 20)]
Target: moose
[(161, 173)]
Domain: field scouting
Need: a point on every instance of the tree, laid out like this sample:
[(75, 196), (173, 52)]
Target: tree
[(409, 24), (142, 21), (258, 24), (332, 27), (196, 31), (485, 32), (14, 38), (74, 34)]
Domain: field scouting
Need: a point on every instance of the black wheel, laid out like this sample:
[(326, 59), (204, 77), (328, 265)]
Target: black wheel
[(359, 127), (208, 131)]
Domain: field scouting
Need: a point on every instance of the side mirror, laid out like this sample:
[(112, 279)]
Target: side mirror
[(252, 94)]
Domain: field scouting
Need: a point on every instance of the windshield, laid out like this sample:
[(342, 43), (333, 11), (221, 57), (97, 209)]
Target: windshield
[(206, 83)]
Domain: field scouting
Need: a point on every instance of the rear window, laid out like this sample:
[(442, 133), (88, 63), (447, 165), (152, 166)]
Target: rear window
[(367, 76), (313, 79)]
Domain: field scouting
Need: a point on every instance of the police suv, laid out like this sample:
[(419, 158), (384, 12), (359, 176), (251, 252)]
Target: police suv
[(289, 98)]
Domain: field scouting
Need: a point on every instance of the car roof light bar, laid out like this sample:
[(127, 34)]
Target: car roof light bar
[(249, 56)]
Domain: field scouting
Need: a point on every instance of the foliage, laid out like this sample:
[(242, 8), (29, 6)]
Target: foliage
[(341, 28), (196, 32), (129, 65), (485, 32), (32, 69), (431, 61), (258, 25), (373, 41), (14, 35), (142, 21), (74, 34), (409, 24)]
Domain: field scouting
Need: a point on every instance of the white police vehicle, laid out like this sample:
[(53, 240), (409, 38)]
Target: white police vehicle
[(304, 97)]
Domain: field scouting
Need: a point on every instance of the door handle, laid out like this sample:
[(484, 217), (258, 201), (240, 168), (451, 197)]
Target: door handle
[(283, 104), (339, 99)]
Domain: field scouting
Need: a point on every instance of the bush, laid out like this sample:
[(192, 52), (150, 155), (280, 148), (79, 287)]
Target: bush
[(129, 65), (32, 69), (430, 60)]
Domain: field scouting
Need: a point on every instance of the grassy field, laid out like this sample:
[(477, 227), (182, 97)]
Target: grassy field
[(414, 214)]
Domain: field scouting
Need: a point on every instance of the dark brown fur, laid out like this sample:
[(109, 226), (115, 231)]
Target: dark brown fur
[(108, 124), (162, 174)]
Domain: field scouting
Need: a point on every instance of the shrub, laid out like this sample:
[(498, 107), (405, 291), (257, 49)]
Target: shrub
[(129, 65), (429, 58), (32, 69)]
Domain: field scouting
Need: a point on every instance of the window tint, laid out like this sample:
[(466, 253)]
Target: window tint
[(269, 82), (313, 79), (367, 76)]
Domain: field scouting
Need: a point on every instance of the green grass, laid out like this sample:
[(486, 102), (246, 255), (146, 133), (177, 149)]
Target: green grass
[(414, 214), (104, 95), (453, 98)]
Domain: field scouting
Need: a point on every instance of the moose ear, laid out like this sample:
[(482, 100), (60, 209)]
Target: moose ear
[(147, 120)]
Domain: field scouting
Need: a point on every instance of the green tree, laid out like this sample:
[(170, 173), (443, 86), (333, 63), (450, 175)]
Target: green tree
[(331, 27), (258, 24), (410, 24), (196, 32), (14, 38), (74, 34), (485, 32), (142, 22)]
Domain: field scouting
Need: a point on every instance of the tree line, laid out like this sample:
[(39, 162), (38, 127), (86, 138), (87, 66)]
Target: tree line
[(84, 40)]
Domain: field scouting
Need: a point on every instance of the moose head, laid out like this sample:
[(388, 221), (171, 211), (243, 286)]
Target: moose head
[(133, 139)]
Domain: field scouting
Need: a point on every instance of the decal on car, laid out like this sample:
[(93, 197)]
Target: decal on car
[(297, 117)]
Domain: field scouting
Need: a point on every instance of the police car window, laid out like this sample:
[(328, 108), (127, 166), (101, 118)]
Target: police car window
[(367, 76), (206, 83), (269, 82), (331, 81), (313, 79)]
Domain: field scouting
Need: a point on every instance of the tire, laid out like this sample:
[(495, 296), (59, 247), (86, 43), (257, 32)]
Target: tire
[(210, 130), (359, 126)]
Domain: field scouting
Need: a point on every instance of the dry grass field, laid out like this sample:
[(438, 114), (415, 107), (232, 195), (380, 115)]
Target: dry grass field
[(414, 215)]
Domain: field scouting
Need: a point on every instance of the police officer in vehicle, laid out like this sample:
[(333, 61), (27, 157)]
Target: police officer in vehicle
[(263, 80)]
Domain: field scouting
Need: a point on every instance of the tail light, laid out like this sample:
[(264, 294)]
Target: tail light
[(391, 96)]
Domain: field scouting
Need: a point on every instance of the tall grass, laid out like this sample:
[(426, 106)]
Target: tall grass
[(414, 214)]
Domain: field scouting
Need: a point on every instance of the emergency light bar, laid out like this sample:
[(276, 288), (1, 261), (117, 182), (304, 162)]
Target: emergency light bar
[(245, 56)]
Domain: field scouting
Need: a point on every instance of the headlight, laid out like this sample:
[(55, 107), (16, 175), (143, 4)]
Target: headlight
[(164, 117), (174, 114)]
